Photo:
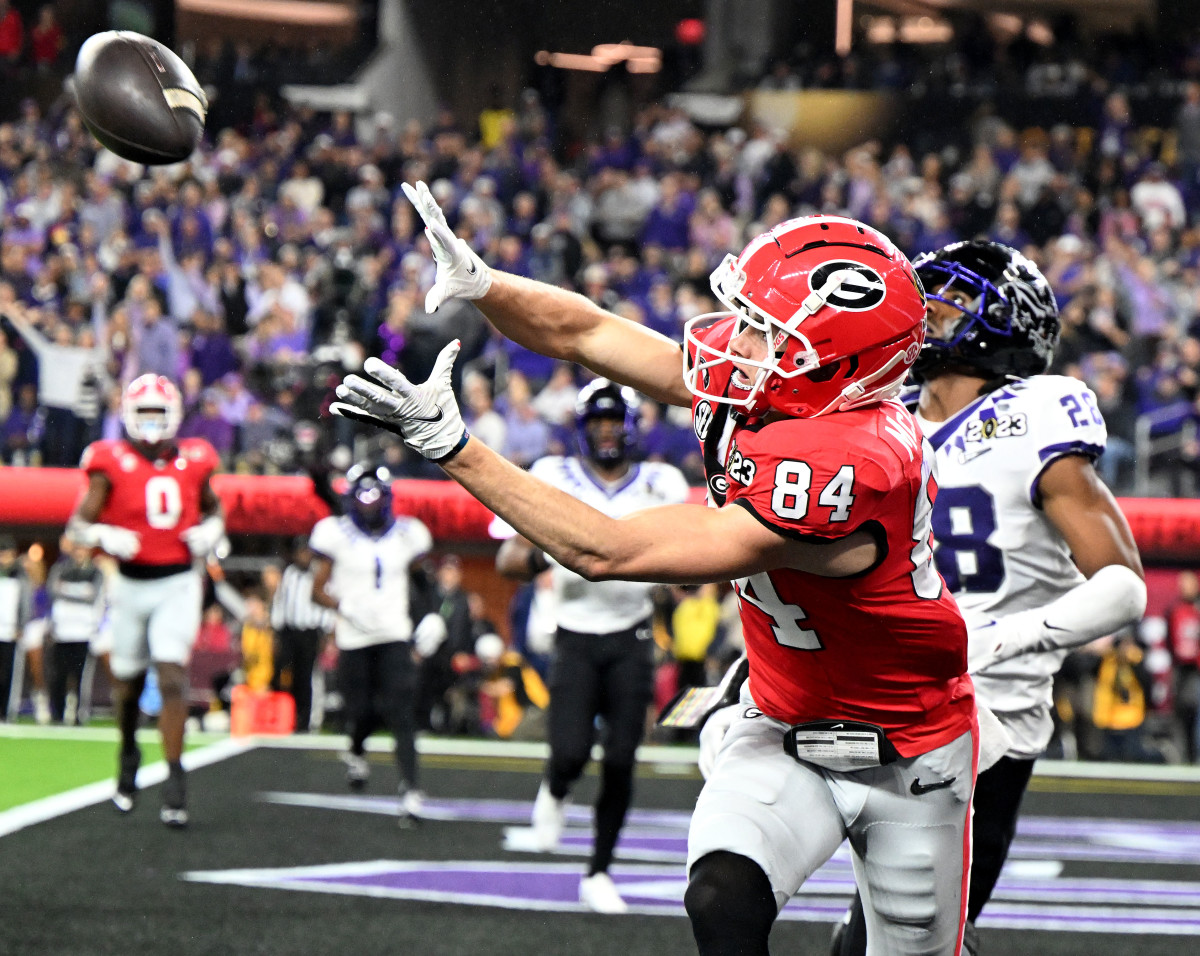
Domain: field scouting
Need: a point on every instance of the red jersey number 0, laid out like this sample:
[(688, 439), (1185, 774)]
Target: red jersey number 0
[(164, 503)]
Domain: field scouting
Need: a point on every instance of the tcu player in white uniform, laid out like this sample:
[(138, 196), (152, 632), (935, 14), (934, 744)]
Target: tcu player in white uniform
[(604, 655), (150, 505), (361, 570), (1035, 548)]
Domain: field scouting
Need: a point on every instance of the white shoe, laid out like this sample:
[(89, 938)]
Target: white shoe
[(549, 818), (412, 803), (599, 894), (358, 770), (41, 708)]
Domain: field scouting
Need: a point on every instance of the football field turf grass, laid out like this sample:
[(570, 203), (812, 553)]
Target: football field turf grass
[(39, 768), (281, 859)]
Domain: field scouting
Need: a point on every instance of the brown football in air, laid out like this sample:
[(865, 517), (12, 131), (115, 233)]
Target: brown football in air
[(138, 98)]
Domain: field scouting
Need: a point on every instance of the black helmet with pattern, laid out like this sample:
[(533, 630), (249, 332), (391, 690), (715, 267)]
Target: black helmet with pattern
[(601, 398), (1009, 323)]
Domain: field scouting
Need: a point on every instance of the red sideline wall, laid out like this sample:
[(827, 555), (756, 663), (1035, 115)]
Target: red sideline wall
[(1167, 529)]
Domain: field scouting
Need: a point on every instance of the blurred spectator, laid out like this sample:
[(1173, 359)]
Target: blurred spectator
[(67, 372), (1157, 201), (14, 598), (156, 343), (257, 643), (8, 373), (77, 599), (23, 428), (694, 629), (556, 401), (207, 422), (12, 40), (512, 698), (526, 435), (1183, 638), (46, 40), (481, 418), (437, 673), (1119, 702)]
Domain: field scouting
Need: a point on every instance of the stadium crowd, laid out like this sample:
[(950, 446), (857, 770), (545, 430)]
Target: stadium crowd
[(284, 253)]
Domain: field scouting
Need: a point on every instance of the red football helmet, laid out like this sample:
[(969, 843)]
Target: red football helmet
[(151, 409), (842, 311)]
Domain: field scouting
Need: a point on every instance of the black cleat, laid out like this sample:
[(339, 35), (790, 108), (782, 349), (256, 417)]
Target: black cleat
[(128, 762), (174, 809)]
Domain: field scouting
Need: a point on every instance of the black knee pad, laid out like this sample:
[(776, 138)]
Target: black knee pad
[(731, 905)]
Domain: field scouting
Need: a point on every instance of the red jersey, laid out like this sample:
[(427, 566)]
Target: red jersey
[(157, 499), (888, 646), (1184, 628)]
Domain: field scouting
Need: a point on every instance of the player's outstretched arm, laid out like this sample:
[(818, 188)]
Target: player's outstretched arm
[(1085, 513), (547, 319), (672, 544), (675, 544)]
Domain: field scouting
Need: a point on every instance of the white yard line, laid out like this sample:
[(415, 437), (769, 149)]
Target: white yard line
[(63, 803)]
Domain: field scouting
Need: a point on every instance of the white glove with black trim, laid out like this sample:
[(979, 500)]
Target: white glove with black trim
[(1112, 598), (461, 274), (712, 736), (429, 634), (997, 639), (122, 543), (203, 538), (426, 416)]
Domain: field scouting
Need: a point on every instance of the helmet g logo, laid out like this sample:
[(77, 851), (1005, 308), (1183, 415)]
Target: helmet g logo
[(851, 286)]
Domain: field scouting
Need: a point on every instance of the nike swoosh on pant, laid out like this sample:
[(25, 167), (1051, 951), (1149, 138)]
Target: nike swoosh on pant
[(918, 788)]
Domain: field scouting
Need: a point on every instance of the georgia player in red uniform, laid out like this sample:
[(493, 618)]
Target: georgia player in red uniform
[(150, 505), (858, 719)]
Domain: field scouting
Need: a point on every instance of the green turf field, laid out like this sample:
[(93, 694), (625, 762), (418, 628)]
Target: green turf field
[(39, 768), (38, 762)]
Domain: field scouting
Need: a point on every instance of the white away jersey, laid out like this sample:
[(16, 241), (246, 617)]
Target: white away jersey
[(605, 607), (994, 546), (370, 577)]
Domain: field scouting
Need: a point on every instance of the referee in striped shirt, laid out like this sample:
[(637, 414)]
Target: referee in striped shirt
[(300, 624)]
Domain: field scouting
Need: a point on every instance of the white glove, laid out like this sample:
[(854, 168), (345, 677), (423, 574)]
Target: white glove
[(429, 634), (712, 736), (1000, 638), (121, 543), (461, 274), (994, 741), (1112, 598), (203, 538), (426, 416)]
